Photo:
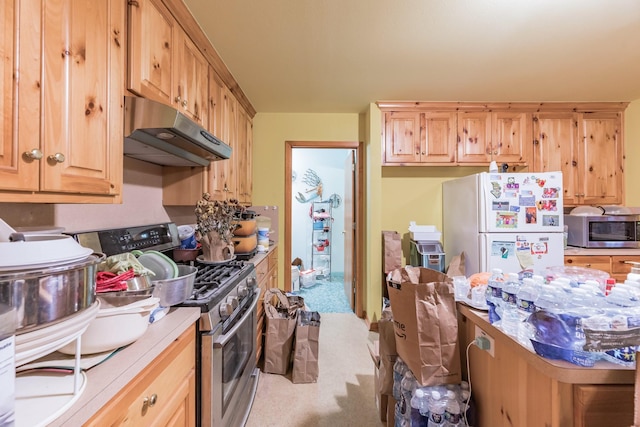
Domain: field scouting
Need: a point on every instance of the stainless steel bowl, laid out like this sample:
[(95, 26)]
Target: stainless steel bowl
[(175, 291), (45, 295)]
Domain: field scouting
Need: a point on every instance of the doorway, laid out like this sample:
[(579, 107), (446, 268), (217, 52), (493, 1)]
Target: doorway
[(352, 199)]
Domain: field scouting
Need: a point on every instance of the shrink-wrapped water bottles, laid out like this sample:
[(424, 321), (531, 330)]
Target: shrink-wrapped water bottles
[(399, 368), (510, 316), (437, 405), (526, 302), (452, 412), (494, 294)]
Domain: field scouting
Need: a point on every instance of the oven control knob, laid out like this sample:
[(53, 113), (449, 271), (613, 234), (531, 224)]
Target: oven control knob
[(225, 309), (233, 301), (252, 282), (242, 290)]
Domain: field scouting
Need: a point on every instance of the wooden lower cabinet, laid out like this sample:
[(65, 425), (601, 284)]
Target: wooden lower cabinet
[(516, 387), (267, 276), (618, 266), (163, 394)]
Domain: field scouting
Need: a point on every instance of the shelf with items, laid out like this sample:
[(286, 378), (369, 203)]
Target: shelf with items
[(321, 220)]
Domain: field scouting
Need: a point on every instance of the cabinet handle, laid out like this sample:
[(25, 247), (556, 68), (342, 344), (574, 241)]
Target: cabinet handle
[(178, 99), (58, 157), (588, 265), (148, 402), (34, 154), (184, 103)]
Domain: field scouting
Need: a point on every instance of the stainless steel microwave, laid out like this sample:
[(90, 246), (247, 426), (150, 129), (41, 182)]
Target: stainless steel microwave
[(603, 231)]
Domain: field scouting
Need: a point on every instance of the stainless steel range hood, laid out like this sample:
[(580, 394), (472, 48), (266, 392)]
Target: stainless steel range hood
[(157, 133)]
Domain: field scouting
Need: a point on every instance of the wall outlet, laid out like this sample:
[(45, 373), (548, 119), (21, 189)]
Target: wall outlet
[(481, 333)]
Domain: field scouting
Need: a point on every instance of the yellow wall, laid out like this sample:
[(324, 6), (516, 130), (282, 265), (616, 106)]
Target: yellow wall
[(394, 196)]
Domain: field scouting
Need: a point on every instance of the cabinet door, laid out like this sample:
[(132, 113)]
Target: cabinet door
[(191, 79), (598, 262), (510, 136), (474, 137), (438, 138), (19, 95), (82, 110), (230, 120), (603, 405), (218, 170), (163, 394), (151, 50), (600, 158), (244, 142), (621, 266), (402, 137), (555, 146)]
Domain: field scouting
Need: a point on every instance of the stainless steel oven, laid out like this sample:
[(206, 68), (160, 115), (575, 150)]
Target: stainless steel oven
[(229, 374)]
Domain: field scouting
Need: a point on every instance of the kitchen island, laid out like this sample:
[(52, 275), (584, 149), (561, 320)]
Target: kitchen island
[(516, 387), (107, 382)]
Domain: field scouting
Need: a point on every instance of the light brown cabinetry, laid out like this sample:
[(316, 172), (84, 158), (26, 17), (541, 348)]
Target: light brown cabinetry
[(555, 145), (600, 158), (62, 92), (244, 164), (164, 64), (485, 136), (618, 266), (162, 394), (267, 277), (516, 387), (419, 138), (587, 148)]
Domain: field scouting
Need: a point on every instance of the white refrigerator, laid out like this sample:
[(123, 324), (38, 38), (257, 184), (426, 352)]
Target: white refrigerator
[(512, 221)]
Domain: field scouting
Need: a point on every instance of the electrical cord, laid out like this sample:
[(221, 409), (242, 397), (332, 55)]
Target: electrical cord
[(466, 404)]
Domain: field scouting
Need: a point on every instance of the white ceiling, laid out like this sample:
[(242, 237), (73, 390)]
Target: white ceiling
[(339, 55)]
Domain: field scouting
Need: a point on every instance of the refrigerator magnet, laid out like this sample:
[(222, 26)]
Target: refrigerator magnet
[(550, 220), (550, 193), (539, 248)]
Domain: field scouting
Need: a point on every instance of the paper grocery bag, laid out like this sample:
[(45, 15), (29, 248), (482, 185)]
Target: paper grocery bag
[(279, 331), (425, 324), (387, 351), (305, 356), (391, 250)]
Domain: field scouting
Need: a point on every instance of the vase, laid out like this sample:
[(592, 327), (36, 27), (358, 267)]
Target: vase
[(214, 247)]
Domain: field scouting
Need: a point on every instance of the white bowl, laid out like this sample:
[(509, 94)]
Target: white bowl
[(114, 327)]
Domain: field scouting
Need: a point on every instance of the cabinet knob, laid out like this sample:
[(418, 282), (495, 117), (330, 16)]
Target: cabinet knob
[(148, 402), (178, 99), (58, 157), (184, 103), (34, 154)]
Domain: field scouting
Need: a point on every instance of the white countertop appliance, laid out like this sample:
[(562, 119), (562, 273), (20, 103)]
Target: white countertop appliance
[(227, 295), (512, 221)]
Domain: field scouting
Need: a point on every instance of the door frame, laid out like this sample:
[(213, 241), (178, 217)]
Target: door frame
[(359, 219)]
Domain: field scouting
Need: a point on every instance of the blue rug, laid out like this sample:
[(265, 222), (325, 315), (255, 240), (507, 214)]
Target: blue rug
[(326, 296)]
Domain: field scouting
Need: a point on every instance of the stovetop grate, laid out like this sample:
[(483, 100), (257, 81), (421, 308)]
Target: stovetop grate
[(213, 282)]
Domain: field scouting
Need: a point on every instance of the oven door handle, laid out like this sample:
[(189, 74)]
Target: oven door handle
[(222, 340)]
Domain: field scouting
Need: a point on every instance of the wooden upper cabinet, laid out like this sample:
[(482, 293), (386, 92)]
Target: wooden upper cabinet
[(244, 156), (555, 146), (64, 141), (192, 76), (222, 173), (502, 136), (164, 64), (151, 50), (474, 137), (419, 138), (401, 137), (600, 158)]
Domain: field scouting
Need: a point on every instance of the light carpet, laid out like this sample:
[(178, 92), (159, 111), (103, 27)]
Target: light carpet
[(342, 396)]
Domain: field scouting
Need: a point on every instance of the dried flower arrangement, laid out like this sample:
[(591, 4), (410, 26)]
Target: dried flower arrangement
[(215, 225)]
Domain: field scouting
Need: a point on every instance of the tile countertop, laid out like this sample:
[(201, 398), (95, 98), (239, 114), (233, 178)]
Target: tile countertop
[(104, 381), (574, 251)]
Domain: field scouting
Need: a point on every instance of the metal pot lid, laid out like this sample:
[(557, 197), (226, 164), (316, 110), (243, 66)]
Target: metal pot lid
[(39, 251)]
